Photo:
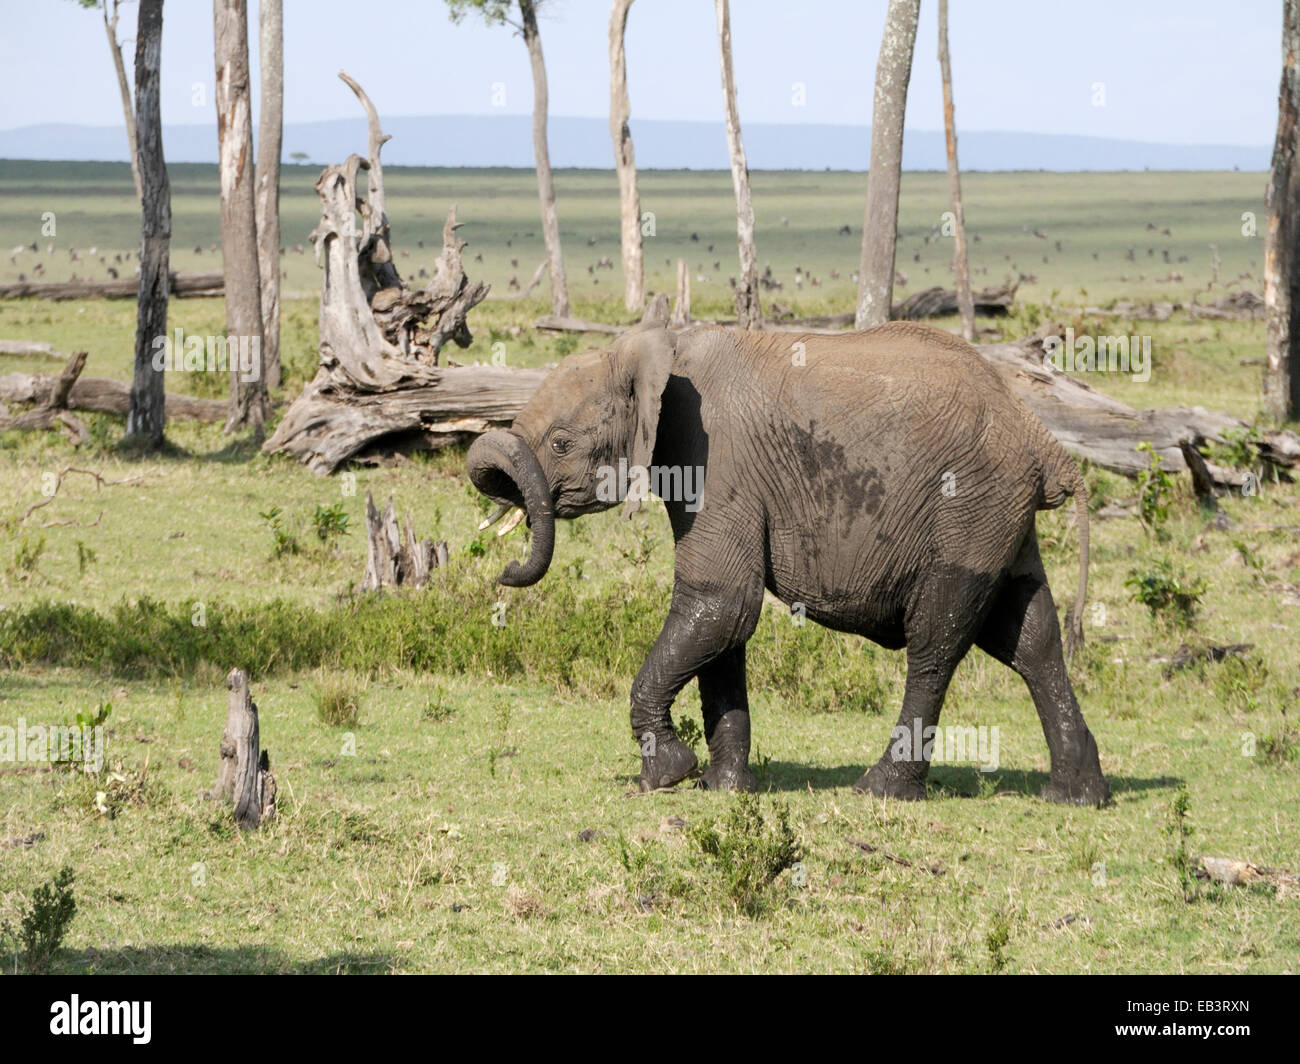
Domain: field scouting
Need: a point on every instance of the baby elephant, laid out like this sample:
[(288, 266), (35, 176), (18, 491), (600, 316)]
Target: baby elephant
[(885, 482)]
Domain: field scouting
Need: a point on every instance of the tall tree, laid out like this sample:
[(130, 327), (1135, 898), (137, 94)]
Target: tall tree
[(270, 142), (238, 213), (889, 105), (146, 415), (110, 10), (620, 110), (1281, 277), (749, 314), (960, 265), (497, 12)]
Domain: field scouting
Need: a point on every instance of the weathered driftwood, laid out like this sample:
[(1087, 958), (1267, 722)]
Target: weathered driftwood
[(53, 409), (244, 775), (1235, 305), (394, 558), (550, 323), (937, 302), (103, 396), (180, 284), (1107, 432), (379, 384), (28, 348)]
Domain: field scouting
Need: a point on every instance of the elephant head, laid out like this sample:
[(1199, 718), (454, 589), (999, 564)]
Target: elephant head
[(595, 408)]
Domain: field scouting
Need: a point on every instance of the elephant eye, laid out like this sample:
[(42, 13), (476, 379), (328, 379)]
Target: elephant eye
[(560, 445)]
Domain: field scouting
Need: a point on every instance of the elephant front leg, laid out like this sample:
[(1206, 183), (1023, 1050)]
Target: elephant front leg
[(725, 702), (701, 631)]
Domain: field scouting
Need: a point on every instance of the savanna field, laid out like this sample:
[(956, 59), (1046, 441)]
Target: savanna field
[(457, 777)]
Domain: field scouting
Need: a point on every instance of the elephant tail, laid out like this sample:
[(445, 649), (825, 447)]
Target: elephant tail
[(1074, 616)]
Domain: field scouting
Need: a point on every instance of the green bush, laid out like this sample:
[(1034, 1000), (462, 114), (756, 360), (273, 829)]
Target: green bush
[(747, 852), (41, 931), (1169, 592)]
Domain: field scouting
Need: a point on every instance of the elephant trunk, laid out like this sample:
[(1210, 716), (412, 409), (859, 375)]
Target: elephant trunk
[(502, 466)]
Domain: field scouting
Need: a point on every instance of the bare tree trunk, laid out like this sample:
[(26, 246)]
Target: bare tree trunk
[(1281, 278), (960, 266), (880, 228), (239, 213), (123, 87), (147, 412), (620, 110), (270, 135), (749, 314), (545, 183)]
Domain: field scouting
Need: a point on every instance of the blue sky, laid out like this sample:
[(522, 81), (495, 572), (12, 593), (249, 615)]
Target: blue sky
[(1176, 71)]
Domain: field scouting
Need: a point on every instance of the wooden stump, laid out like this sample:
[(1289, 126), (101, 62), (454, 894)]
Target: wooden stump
[(379, 383), (244, 776), (393, 557)]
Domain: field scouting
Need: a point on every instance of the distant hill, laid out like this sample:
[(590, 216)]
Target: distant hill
[(506, 140)]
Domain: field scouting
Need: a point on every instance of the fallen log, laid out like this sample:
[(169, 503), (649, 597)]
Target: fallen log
[(182, 285), (28, 348), (937, 302), (53, 410), (104, 396), (379, 385), (1107, 432)]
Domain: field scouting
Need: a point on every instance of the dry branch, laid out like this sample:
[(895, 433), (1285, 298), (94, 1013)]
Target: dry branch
[(53, 410), (181, 285), (104, 396)]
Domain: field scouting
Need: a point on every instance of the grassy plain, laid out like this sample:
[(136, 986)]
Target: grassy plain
[(481, 814)]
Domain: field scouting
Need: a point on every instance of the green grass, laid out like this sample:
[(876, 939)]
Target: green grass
[(478, 810)]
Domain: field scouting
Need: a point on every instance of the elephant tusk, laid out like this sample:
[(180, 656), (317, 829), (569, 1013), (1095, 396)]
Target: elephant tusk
[(499, 513), (512, 522)]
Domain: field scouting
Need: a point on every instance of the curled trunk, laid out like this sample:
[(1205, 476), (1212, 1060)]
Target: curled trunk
[(502, 467)]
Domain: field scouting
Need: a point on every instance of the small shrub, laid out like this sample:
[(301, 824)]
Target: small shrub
[(330, 522), (689, 732), (1239, 682), (1169, 592), (748, 852), (43, 926), (996, 941), (1155, 488), (284, 540), (338, 700), (1179, 831)]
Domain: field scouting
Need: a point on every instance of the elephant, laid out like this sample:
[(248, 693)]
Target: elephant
[(884, 481)]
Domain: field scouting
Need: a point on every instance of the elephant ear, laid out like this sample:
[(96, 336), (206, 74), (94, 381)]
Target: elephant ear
[(643, 361)]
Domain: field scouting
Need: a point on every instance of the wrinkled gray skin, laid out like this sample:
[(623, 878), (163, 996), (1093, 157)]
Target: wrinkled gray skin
[(888, 484)]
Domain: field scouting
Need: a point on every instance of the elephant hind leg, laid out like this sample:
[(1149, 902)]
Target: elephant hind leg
[(1022, 632), (940, 627), (724, 699)]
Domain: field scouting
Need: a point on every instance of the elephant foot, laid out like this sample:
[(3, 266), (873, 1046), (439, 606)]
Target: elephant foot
[(1085, 788), (884, 780), (671, 763), (724, 777)]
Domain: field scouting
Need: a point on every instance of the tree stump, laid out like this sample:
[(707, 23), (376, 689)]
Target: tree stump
[(244, 776), (379, 385), (393, 557)]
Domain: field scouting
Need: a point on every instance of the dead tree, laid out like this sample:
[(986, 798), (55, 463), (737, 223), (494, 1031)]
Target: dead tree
[(244, 775), (749, 314), (394, 558), (270, 136), (52, 410), (379, 386), (104, 395), (238, 207), (880, 227), (960, 265), (629, 201), (147, 414), (545, 181), (111, 12), (1281, 275)]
